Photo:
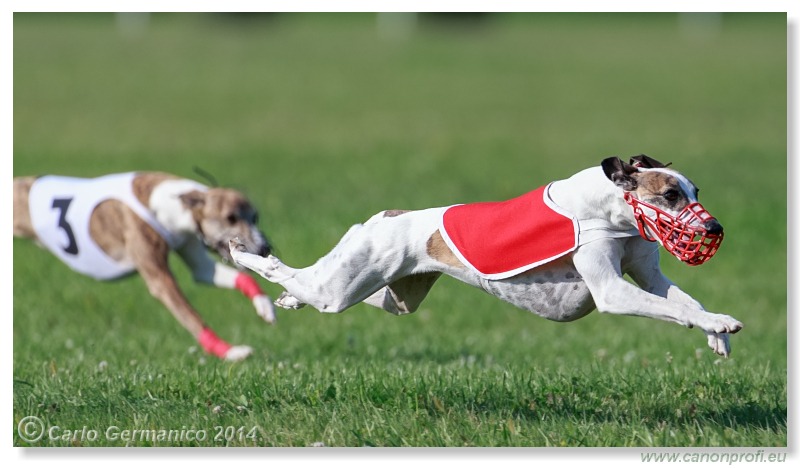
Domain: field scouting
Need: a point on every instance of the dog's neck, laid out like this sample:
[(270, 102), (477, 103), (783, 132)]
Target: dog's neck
[(590, 195), (166, 204)]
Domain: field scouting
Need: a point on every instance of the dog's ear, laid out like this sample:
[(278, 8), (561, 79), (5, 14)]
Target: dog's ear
[(620, 173), (193, 200), (644, 161)]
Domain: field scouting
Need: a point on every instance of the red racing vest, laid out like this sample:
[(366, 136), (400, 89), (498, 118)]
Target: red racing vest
[(502, 239)]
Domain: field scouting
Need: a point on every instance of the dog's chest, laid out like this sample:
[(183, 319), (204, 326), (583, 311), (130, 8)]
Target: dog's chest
[(554, 291)]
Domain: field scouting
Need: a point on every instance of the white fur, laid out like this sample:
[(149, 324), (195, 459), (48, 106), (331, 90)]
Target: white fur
[(165, 202)]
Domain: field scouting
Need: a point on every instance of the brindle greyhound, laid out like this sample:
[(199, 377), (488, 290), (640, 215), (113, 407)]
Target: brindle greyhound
[(118, 224)]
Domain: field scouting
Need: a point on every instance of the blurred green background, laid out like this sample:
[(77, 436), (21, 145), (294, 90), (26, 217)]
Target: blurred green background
[(325, 119)]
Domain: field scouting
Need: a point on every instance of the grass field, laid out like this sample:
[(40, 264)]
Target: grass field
[(324, 120)]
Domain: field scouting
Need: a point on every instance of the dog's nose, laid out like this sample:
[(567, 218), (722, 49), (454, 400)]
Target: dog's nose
[(713, 227), (264, 250)]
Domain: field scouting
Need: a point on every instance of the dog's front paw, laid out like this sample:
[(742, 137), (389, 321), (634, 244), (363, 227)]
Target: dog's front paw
[(238, 352), (264, 308), (287, 301)]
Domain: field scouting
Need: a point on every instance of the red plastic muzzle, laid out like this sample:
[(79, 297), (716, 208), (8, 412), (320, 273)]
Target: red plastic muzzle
[(684, 236)]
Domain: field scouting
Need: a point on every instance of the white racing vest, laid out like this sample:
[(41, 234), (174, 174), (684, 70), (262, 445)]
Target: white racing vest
[(60, 209)]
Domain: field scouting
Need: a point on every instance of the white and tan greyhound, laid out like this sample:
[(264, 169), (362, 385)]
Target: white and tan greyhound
[(118, 224), (559, 251)]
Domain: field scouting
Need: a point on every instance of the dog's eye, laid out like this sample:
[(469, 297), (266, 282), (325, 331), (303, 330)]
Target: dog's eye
[(671, 195), (232, 219)]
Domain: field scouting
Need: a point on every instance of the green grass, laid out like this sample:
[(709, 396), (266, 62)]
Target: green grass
[(322, 123)]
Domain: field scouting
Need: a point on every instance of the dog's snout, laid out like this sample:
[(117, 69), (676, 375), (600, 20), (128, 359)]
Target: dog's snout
[(713, 227), (264, 250)]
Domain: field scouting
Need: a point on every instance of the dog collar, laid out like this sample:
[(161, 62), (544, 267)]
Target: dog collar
[(682, 236), (592, 229)]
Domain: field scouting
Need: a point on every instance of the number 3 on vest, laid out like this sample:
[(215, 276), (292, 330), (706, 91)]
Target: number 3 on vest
[(63, 205)]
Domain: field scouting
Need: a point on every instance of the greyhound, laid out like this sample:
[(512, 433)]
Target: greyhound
[(559, 251), (118, 224)]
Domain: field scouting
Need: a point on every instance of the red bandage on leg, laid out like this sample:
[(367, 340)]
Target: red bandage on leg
[(245, 284), (213, 344)]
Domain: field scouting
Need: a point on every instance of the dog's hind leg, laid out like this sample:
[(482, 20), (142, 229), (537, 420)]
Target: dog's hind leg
[(329, 285), (368, 257), (403, 296), (276, 271)]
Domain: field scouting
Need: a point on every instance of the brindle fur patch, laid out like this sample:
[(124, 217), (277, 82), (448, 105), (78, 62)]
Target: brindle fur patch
[(438, 250), (394, 213), (144, 183), (653, 184), (22, 217), (408, 292), (106, 228), (109, 223), (221, 203)]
